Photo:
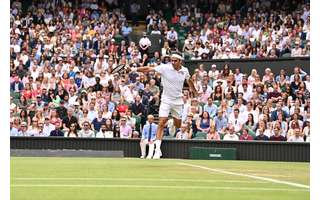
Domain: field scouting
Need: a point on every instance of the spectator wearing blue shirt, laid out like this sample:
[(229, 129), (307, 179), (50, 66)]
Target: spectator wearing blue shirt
[(220, 122), (138, 85), (111, 105), (211, 108), (98, 121), (282, 72), (148, 137), (126, 30), (297, 71)]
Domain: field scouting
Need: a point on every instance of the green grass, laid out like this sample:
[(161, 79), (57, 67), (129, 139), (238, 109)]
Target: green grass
[(109, 178)]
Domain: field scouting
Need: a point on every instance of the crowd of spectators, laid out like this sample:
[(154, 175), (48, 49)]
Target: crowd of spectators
[(62, 81), (228, 30)]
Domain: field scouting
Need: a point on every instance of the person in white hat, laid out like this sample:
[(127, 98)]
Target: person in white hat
[(173, 75)]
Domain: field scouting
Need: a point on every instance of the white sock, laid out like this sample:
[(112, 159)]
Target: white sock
[(158, 144)]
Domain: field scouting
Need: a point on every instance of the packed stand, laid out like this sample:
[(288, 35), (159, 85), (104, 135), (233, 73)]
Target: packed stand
[(62, 83), (230, 30)]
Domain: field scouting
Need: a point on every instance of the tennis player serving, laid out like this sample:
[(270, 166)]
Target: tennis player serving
[(173, 75)]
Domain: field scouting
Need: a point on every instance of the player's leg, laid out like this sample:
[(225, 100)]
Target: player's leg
[(163, 118), (177, 122), (176, 113), (161, 125)]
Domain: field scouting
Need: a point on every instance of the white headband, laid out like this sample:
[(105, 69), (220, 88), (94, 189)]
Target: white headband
[(176, 56)]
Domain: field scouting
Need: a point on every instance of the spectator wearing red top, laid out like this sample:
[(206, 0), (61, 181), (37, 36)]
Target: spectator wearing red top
[(277, 134), (27, 93), (175, 19), (245, 135), (113, 48), (122, 106)]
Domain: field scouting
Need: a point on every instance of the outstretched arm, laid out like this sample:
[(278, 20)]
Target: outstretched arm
[(193, 89), (145, 69)]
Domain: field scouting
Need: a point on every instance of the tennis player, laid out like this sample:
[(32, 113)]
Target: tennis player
[(173, 75)]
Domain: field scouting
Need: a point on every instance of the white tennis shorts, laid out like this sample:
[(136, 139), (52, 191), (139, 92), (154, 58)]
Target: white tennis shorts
[(166, 108)]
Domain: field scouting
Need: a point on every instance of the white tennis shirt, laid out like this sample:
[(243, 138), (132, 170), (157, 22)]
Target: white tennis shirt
[(172, 82)]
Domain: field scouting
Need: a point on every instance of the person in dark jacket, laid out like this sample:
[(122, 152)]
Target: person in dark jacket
[(261, 135), (57, 132)]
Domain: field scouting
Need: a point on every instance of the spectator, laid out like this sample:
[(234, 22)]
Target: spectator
[(144, 44), (125, 130), (69, 119), (138, 110), (104, 132), (172, 38), (204, 122), (98, 121), (14, 127), (86, 131), (17, 85), (33, 130), (72, 131), (220, 122), (236, 120), (260, 134), (47, 127), (296, 137), (277, 112), (184, 133), (40, 129), (231, 134), (306, 131), (192, 124), (57, 132), (126, 31), (23, 131), (277, 135), (211, 108), (92, 113), (245, 135), (250, 124), (296, 51), (262, 127), (213, 134)]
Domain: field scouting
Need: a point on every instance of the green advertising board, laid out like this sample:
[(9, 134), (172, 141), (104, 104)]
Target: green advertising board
[(209, 153)]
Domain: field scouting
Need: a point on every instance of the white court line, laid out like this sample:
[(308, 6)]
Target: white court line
[(160, 187), (130, 179), (270, 175), (247, 175)]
